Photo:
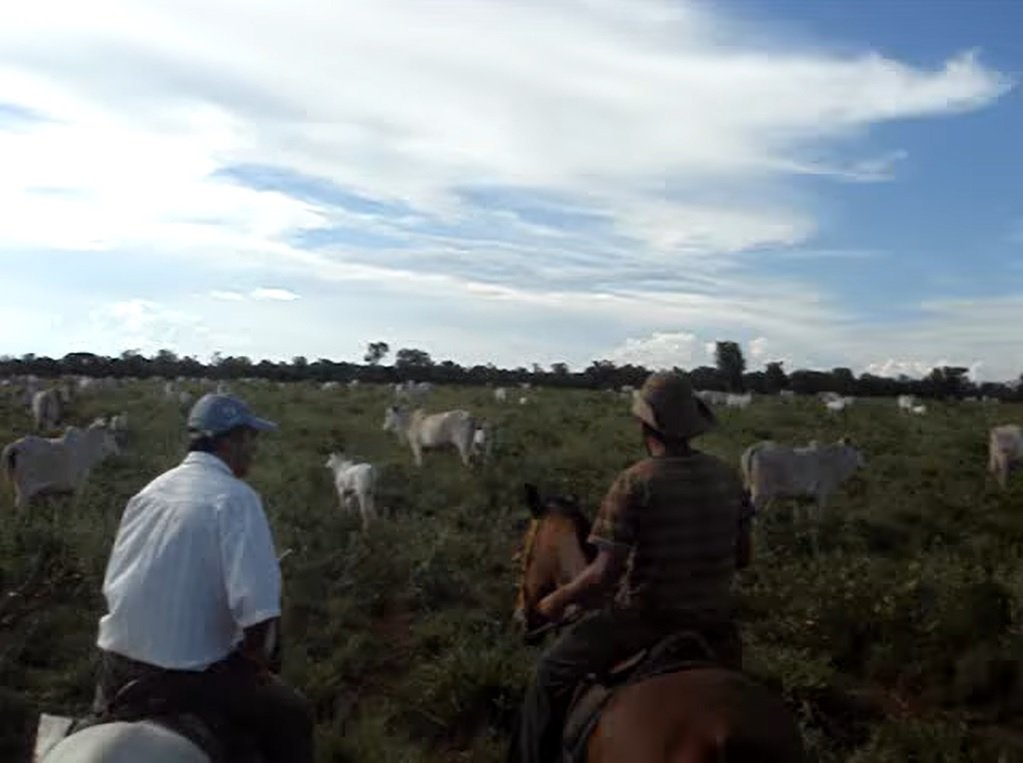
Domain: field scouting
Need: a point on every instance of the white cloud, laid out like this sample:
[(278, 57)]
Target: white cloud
[(278, 295), (570, 97), (662, 350), (227, 296), (663, 118), (139, 324)]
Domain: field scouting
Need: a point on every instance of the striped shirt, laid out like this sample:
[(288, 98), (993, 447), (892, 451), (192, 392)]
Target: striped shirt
[(193, 564), (680, 517)]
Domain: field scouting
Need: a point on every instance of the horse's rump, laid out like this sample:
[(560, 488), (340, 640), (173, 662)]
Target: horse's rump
[(702, 714)]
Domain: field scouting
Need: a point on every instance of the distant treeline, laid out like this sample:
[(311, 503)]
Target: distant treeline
[(728, 374)]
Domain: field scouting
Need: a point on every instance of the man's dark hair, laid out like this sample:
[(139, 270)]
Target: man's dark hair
[(201, 443), (670, 443)]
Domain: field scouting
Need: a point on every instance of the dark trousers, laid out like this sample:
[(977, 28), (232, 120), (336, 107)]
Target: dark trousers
[(277, 718), (595, 645)]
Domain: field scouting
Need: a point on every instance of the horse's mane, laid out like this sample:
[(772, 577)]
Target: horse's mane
[(569, 509)]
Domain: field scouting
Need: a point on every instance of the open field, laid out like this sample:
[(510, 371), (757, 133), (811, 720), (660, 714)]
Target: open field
[(898, 642)]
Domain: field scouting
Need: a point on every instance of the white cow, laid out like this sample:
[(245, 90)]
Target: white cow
[(500, 395), (918, 410), (738, 401), (712, 396), (328, 386), (786, 395), (1005, 451), (40, 465), (835, 406), (46, 409), (353, 384), (414, 393), (425, 431), (184, 398), (356, 482), (906, 402), (523, 400), (483, 441), (771, 470)]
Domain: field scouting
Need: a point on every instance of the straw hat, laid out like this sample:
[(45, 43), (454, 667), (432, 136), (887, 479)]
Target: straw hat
[(667, 405)]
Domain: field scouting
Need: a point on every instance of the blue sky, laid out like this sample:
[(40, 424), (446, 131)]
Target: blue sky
[(829, 183)]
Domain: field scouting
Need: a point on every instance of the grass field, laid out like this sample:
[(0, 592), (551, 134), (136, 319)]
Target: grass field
[(898, 642)]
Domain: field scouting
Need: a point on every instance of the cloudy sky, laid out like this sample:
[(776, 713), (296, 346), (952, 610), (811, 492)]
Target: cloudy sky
[(515, 181)]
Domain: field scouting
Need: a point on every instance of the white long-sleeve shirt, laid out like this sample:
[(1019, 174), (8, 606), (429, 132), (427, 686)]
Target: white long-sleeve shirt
[(192, 565)]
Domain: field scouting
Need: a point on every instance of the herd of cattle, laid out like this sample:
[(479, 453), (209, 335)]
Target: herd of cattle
[(36, 464)]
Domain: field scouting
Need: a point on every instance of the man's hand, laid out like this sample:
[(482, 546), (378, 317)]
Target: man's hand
[(552, 607)]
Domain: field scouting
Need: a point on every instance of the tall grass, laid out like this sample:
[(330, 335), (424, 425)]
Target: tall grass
[(898, 641)]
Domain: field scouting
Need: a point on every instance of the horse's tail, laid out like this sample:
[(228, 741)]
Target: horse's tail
[(746, 463)]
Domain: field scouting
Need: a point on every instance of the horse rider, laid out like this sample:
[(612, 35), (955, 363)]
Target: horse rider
[(193, 590), (670, 533)]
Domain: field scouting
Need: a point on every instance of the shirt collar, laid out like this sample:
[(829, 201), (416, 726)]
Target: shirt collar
[(208, 460)]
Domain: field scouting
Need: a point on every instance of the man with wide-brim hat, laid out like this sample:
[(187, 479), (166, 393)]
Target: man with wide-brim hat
[(193, 592), (670, 534)]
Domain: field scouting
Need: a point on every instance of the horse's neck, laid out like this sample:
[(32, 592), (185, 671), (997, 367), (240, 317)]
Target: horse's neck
[(571, 559)]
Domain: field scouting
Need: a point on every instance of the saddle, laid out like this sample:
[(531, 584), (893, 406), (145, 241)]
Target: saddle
[(684, 650), (170, 704)]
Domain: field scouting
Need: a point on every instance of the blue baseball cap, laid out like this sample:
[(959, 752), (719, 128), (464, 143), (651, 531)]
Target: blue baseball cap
[(213, 415)]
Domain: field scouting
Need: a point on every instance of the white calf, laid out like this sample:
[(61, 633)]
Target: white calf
[(1005, 449), (354, 481), (46, 409)]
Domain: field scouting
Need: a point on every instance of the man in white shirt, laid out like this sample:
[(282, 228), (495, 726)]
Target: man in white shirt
[(193, 590)]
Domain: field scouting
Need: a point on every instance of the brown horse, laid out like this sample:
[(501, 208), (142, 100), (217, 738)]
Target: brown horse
[(698, 715)]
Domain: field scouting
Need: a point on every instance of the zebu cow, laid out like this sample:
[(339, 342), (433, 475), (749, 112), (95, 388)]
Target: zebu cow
[(738, 401), (354, 481), (425, 431), (414, 393), (918, 410), (771, 470), (905, 402), (1005, 451), (37, 465), (712, 396), (835, 406), (500, 395), (46, 409), (483, 441)]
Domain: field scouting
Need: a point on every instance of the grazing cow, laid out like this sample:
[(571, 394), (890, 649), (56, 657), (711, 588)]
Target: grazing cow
[(918, 410), (46, 409), (786, 395), (1006, 451), (738, 401), (906, 402), (223, 389), (354, 482), (414, 393), (483, 442), (839, 404), (57, 465), (771, 470), (712, 396), (500, 395), (425, 431), (328, 386), (184, 398), (353, 384)]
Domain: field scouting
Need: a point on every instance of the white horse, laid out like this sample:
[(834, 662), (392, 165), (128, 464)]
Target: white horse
[(118, 742)]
